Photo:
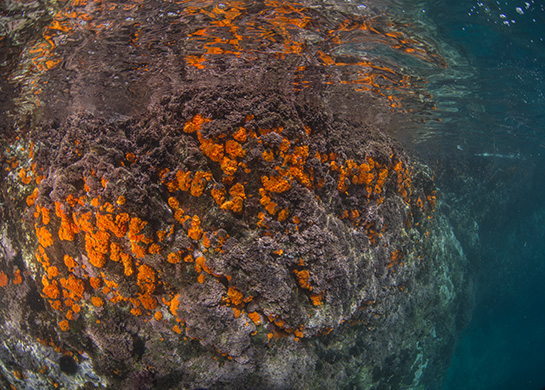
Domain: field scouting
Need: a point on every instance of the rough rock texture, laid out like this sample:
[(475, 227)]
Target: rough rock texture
[(240, 232), (230, 239)]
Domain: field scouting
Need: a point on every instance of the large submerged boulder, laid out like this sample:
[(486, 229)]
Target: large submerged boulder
[(233, 235), (228, 238)]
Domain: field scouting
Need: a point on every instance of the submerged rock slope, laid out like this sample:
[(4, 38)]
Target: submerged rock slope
[(225, 239)]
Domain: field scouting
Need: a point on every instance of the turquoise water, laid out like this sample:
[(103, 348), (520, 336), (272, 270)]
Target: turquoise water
[(503, 43), (492, 105), (503, 346)]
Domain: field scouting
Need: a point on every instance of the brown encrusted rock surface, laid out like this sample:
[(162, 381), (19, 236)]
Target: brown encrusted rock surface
[(226, 238)]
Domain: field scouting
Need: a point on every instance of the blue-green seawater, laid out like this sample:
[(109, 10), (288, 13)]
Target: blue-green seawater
[(498, 116), (502, 348)]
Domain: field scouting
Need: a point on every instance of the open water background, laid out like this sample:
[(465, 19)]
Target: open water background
[(493, 110)]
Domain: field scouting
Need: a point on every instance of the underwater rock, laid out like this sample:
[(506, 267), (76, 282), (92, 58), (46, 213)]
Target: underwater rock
[(219, 224), (226, 238)]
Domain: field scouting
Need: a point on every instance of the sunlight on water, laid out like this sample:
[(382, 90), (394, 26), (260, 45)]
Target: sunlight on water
[(490, 96), (413, 51)]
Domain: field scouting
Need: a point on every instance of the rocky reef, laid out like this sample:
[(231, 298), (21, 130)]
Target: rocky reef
[(226, 239), (236, 232)]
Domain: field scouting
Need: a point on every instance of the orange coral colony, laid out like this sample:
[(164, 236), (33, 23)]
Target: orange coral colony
[(3, 279)]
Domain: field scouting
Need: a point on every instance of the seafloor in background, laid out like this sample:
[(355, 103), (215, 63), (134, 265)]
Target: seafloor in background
[(270, 194)]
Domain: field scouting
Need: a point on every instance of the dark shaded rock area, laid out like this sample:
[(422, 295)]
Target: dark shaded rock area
[(219, 226)]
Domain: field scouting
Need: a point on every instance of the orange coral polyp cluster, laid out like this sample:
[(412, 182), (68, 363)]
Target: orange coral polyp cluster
[(195, 232), (240, 135), (234, 149), (83, 221), (68, 229), (316, 299), (3, 279), (184, 180), (23, 176), (44, 236), (303, 279), (229, 166), (200, 265), (266, 202), (45, 216), (146, 279), (174, 303), (73, 288), (64, 325), (194, 125), (255, 317), (148, 302), (136, 225), (99, 228), (118, 225), (154, 249), (70, 263), (219, 195), (174, 257), (235, 299), (198, 183), (214, 152), (32, 198), (97, 246), (97, 301), (50, 289), (234, 296), (173, 203), (268, 155), (237, 199), (275, 184), (127, 262)]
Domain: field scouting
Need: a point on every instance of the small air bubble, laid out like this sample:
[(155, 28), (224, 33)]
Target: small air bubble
[(519, 10), (503, 16)]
